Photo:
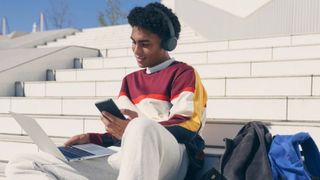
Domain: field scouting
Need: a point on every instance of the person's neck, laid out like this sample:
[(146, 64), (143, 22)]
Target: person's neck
[(160, 66), (163, 58)]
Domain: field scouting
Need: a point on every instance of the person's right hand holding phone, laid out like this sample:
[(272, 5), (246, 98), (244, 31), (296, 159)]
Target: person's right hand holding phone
[(116, 126), (129, 114)]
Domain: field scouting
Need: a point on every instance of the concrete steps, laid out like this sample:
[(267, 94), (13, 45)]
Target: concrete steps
[(12, 145), (297, 108), (54, 125), (218, 129), (215, 130), (214, 133), (311, 39), (2, 167), (72, 89), (264, 108), (290, 67), (99, 70), (99, 85), (51, 106), (110, 37), (260, 54)]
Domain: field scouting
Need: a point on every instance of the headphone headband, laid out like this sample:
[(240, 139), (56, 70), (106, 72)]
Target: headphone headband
[(171, 43)]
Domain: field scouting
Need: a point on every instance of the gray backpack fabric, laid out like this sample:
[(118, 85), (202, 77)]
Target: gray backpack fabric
[(246, 156)]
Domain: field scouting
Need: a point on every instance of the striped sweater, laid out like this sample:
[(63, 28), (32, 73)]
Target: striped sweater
[(173, 96)]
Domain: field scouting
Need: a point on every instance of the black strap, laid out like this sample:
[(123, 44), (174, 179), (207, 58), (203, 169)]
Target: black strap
[(212, 174)]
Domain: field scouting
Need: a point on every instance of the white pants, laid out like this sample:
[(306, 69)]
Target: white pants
[(148, 151)]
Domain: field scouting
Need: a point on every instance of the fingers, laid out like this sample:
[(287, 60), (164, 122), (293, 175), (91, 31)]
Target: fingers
[(107, 116), (129, 113), (104, 120), (78, 139), (115, 131), (73, 140), (69, 142), (108, 121), (113, 124)]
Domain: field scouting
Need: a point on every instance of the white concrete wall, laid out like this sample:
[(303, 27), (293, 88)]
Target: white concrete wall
[(34, 68), (278, 17), (241, 8), (169, 3)]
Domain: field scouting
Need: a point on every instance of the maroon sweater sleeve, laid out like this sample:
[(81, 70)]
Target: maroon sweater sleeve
[(105, 139)]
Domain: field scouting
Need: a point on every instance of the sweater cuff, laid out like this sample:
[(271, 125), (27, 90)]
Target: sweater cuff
[(95, 138)]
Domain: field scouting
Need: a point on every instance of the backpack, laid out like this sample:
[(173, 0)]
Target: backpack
[(245, 156), (286, 160)]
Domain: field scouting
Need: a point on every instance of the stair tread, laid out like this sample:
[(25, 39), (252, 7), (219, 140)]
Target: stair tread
[(2, 167)]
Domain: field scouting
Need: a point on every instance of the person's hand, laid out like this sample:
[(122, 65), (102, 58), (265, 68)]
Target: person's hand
[(130, 114), (114, 125), (78, 139)]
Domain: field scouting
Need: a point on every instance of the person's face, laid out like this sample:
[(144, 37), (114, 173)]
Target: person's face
[(146, 48)]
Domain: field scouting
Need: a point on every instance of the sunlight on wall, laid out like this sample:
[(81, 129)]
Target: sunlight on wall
[(241, 8)]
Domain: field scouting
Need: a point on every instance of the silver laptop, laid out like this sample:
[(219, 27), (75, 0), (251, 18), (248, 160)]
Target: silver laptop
[(45, 144)]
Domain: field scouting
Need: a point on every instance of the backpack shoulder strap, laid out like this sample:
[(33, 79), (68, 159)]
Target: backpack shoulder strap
[(312, 156)]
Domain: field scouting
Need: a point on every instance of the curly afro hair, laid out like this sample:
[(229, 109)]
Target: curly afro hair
[(150, 19)]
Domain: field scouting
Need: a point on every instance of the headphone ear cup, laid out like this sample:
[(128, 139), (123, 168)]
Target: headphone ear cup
[(169, 44)]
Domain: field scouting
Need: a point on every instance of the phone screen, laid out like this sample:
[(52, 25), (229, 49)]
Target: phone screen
[(109, 106)]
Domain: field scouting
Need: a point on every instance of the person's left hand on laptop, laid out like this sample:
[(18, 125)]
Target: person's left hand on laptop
[(84, 138), (78, 139)]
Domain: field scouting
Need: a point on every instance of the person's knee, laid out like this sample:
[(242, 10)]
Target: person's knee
[(141, 123), (141, 126)]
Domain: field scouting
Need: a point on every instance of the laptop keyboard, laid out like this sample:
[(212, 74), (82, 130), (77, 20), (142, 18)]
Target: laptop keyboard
[(71, 152)]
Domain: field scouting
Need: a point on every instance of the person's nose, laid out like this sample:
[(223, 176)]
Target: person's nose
[(137, 50)]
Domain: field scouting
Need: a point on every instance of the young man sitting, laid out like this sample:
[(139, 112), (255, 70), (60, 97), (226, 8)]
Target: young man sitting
[(165, 103)]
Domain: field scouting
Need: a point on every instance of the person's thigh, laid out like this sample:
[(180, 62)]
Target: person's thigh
[(154, 149)]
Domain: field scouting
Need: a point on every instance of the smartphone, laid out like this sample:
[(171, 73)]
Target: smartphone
[(109, 106)]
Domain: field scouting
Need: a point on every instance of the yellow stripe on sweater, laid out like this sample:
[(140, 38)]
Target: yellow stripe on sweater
[(199, 105)]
